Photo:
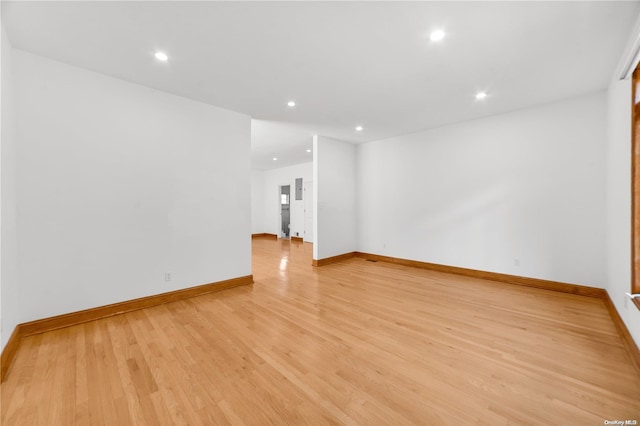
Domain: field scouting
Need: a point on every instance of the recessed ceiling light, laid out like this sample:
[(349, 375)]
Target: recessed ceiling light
[(308, 150), (359, 129), (481, 95), (291, 104), (275, 159), (161, 56), (437, 35)]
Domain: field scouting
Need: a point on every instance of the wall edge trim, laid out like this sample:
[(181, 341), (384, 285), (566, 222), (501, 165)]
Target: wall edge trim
[(333, 259), (493, 276), (580, 290), (264, 235), (9, 352), (623, 331), (92, 314)]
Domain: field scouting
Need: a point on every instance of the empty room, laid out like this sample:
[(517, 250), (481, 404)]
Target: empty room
[(332, 212)]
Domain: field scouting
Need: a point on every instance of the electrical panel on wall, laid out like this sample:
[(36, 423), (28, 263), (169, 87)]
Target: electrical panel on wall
[(299, 189)]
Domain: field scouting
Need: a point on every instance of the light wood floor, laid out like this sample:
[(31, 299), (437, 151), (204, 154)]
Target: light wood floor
[(350, 343)]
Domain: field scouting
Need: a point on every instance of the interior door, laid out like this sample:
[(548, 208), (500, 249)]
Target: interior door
[(285, 210)]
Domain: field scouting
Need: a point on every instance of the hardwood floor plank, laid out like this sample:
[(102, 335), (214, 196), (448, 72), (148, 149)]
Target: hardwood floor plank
[(353, 342)]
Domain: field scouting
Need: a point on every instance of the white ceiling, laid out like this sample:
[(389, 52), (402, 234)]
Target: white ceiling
[(285, 141), (344, 63)]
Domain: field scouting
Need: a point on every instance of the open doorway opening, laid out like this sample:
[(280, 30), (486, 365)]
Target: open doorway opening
[(285, 211)]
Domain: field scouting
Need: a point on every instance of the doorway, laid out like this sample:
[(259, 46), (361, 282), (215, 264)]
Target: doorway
[(285, 210)]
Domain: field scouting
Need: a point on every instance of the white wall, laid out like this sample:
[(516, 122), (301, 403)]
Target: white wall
[(118, 184), (257, 202), (334, 172), (4, 98), (520, 193), (272, 180), (619, 204), (9, 290)]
